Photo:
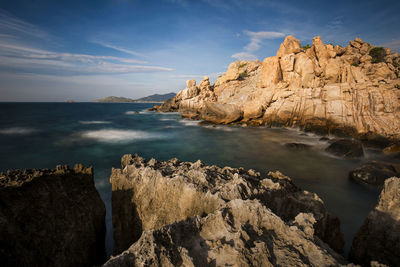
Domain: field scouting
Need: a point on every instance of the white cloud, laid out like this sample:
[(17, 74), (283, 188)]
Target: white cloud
[(255, 43), (124, 50), (25, 58), (244, 56), (257, 37)]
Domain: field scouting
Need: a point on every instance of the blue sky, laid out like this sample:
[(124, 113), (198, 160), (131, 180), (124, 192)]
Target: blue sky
[(83, 50)]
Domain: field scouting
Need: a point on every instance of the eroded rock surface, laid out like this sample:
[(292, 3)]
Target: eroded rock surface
[(148, 195), (238, 233), (379, 237), (51, 218), (375, 173), (325, 88)]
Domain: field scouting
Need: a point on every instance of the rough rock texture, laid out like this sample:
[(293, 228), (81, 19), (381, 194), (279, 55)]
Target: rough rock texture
[(238, 233), (375, 173), (148, 195), (379, 237), (324, 88), (51, 218)]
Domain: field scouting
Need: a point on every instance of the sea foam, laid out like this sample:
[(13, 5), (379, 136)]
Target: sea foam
[(17, 131), (118, 136), (94, 122)]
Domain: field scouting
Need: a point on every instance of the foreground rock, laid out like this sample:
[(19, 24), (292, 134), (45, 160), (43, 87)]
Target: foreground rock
[(375, 173), (238, 233), (324, 88), (51, 218), (147, 195), (379, 237)]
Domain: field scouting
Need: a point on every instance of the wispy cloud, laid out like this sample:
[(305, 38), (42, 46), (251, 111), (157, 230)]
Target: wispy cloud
[(244, 56), (25, 58), (17, 55), (256, 39), (9, 24), (120, 49)]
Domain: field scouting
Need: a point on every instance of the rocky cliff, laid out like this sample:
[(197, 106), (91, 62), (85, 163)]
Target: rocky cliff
[(379, 237), (352, 90), (51, 218), (148, 195), (237, 233)]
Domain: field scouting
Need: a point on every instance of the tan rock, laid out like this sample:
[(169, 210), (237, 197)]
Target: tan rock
[(271, 72), (290, 45), (365, 58), (320, 51)]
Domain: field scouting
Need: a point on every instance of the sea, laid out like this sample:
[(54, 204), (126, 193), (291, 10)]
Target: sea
[(43, 135)]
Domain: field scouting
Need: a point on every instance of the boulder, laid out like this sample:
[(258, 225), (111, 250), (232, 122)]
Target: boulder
[(379, 237), (221, 113), (51, 218), (290, 45), (346, 148), (238, 233), (374, 173), (148, 195)]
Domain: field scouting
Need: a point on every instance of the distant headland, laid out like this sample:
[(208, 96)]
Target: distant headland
[(148, 99)]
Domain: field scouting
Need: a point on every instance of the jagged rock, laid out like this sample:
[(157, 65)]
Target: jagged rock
[(51, 218), (294, 88), (148, 195), (346, 148), (379, 237), (375, 173), (289, 46), (238, 233)]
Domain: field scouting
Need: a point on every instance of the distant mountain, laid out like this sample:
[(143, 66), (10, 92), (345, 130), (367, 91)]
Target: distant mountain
[(156, 98), (114, 99), (151, 98)]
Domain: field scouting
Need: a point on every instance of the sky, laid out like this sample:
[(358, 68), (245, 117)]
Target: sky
[(84, 50)]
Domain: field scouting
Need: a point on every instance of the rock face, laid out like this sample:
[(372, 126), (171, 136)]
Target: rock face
[(379, 237), (375, 173), (325, 88), (238, 233), (51, 218), (147, 195)]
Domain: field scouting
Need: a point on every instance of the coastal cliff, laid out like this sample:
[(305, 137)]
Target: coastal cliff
[(51, 218), (149, 195), (352, 90)]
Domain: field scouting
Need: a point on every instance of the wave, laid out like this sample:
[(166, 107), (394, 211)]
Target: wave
[(118, 136), (94, 122), (189, 122), (131, 112), (221, 128), (17, 131), (167, 119)]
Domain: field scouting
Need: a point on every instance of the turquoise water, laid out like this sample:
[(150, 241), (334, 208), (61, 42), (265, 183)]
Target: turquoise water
[(43, 135)]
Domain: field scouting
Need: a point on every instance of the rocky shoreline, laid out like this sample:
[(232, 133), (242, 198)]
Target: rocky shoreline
[(347, 91), (173, 213)]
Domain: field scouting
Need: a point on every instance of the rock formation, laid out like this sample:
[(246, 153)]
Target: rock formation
[(375, 173), (379, 237), (148, 195), (238, 233), (51, 218), (324, 88)]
